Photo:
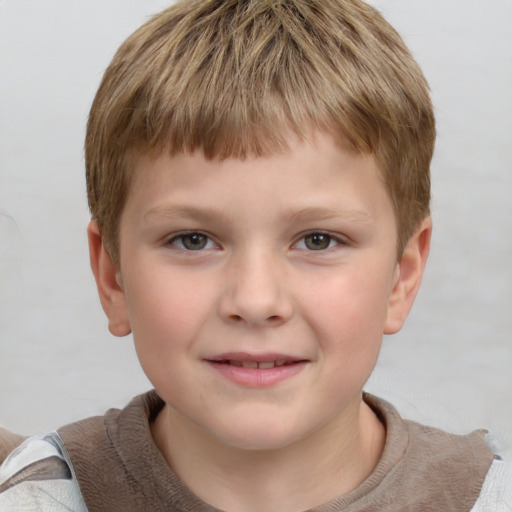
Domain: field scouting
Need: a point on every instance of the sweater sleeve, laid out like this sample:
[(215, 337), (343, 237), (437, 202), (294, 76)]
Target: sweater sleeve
[(38, 475)]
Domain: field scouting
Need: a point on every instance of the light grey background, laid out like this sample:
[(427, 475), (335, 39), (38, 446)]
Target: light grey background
[(451, 364)]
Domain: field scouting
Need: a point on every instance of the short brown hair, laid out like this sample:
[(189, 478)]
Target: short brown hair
[(233, 77)]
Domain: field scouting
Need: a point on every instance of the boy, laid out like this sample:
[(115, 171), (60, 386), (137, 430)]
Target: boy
[(258, 177)]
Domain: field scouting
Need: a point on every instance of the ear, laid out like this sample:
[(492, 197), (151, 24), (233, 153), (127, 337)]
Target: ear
[(409, 273), (108, 281)]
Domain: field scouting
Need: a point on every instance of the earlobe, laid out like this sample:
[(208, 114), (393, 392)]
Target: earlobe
[(109, 283), (409, 274)]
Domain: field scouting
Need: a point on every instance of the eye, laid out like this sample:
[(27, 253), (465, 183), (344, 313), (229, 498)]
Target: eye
[(193, 241), (317, 241)]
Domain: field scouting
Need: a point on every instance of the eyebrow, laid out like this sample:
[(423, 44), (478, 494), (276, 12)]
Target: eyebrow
[(316, 213), (326, 213), (183, 212)]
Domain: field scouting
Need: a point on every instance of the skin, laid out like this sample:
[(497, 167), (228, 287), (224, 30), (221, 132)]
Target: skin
[(293, 257)]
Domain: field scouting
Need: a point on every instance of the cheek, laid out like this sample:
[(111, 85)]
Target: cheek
[(165, 320), (354, 301), (348, 315), (166, 310)]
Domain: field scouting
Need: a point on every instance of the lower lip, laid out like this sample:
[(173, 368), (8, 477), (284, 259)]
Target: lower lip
[(256, 377)]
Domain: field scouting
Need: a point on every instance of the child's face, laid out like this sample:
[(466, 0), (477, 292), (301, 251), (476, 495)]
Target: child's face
[(287, 262)]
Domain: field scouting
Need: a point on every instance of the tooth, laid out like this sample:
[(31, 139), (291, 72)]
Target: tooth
[(235, 363), (280, 363), (250, 364), (266, 365)]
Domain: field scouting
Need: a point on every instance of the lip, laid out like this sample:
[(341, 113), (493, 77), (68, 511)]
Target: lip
[(229, 365)]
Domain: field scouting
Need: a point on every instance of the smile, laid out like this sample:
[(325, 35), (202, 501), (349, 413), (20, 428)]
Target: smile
[(257, 371), (262, 365)]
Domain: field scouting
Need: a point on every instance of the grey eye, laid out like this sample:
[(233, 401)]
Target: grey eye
[(193, 241), (317, 241)]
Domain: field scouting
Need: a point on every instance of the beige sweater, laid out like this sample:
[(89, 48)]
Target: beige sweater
[(119, 468), (422, 469)]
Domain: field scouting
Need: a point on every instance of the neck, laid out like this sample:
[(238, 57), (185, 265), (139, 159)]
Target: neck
[(305, 474)]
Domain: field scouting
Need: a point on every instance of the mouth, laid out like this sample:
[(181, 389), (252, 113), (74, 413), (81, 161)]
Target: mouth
[(261, 365), (261, 370), (265, 361)]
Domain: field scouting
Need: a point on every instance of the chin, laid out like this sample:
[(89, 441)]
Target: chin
[(258, 436)]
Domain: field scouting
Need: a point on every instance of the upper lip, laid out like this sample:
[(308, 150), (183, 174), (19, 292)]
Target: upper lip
[(257, 358)]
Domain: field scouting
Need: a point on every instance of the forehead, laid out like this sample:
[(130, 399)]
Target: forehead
[(313, 157), (305, 178)]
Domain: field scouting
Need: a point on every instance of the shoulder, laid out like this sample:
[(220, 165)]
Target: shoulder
[(114, 455), (38, 475), (471, 462), (8, 441), (64, 470), (430, 451), (438, 447), (434, 469)]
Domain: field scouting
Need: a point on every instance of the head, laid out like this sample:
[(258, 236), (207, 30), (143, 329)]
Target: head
[(258, 175), (234, 79)]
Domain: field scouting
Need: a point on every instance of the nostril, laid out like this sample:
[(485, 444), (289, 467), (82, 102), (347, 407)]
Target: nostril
[(271, 319)]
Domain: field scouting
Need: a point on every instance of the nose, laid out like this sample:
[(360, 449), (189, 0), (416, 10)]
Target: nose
[(255, 291)]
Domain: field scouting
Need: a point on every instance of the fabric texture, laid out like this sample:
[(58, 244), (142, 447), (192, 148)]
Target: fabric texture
[(8, 441), (422, 469), (38, 475)]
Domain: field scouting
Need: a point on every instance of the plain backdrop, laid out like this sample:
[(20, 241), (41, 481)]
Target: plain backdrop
[(451, 364)]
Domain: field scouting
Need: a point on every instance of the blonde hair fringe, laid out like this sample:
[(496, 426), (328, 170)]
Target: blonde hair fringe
[(233, 78)]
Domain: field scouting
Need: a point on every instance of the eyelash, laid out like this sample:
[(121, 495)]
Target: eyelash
[(177, 241)]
